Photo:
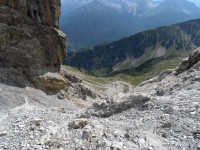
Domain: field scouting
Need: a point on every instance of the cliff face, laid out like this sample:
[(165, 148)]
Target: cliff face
[(43, 11), (31, 48)]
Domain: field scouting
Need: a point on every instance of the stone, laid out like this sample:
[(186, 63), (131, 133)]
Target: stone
[(78, 123), (160, 92), (37, 122), (142, 143), (76, 87), (62, 94), (43, 11), (50, 82), (167, 125), (198, 146), (192, 60), (70, 77), (196, 134), (106, 108), (87, 92), (3, 133), (117, 145), (30, 49), (87, 135)]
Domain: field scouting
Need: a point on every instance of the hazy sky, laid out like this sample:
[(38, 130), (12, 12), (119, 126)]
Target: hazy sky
[(197, 2)]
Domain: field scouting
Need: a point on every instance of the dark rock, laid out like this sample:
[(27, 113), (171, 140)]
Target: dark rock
[(186, 64), (43, 11), (28, 49), (62, 94), (70, 77), (110, 107), (198, 146), (160, 92), (3, 133), (78, 123), (167, 125), (196, 135)]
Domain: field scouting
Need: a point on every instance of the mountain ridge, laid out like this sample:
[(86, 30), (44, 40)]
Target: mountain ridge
[(121, 19), (138, 48), (92, 18)]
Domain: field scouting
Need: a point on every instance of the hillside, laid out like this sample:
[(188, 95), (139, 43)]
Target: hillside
[(94, 23), (158, 114), (90, 22), (135, 50), (168, 12)]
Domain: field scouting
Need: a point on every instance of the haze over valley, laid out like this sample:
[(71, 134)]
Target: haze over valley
[(90, 22)]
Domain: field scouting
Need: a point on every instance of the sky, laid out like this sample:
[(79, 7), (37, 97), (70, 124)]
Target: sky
[(197, 2)]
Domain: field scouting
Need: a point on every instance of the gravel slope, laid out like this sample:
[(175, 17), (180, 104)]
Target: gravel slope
[(167, 117)]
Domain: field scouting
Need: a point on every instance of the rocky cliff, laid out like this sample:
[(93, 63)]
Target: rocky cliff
[(31, 48), (43, 11)]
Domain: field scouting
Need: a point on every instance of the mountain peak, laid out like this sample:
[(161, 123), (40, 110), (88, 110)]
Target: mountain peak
[(108, 20)]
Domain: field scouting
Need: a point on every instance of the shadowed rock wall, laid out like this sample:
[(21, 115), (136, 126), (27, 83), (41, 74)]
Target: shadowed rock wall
[(31, 48), (43, 11)]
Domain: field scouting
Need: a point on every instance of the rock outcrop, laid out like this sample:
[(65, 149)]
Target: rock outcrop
[(106, 108), (189, 62), (43, 11), (31, 48), (76, 88)]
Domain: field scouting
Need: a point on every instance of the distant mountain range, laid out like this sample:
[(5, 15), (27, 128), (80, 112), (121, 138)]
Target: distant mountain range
[(134, 51), (90, 22)]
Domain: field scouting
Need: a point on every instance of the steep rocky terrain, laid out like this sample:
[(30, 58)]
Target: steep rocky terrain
[(31, 52), (162, 113), (45, 12)]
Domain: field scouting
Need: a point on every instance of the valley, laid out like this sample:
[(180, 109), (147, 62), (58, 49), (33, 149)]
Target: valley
[(90, 22), (164, 44), (137, 93)]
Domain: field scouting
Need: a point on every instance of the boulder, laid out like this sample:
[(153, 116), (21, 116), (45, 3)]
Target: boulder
[(50, 82), (78, 123), (188, 63), (106, 108)]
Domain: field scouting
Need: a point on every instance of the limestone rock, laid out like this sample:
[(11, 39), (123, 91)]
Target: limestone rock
[(76, 88), (50, 82), (62, 94), (3, 133), (107, 108), (43, 11), (70, 77), (193, 59), (37, 121), (78, 123), (28, 49), (198, 146), (159, 78)]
